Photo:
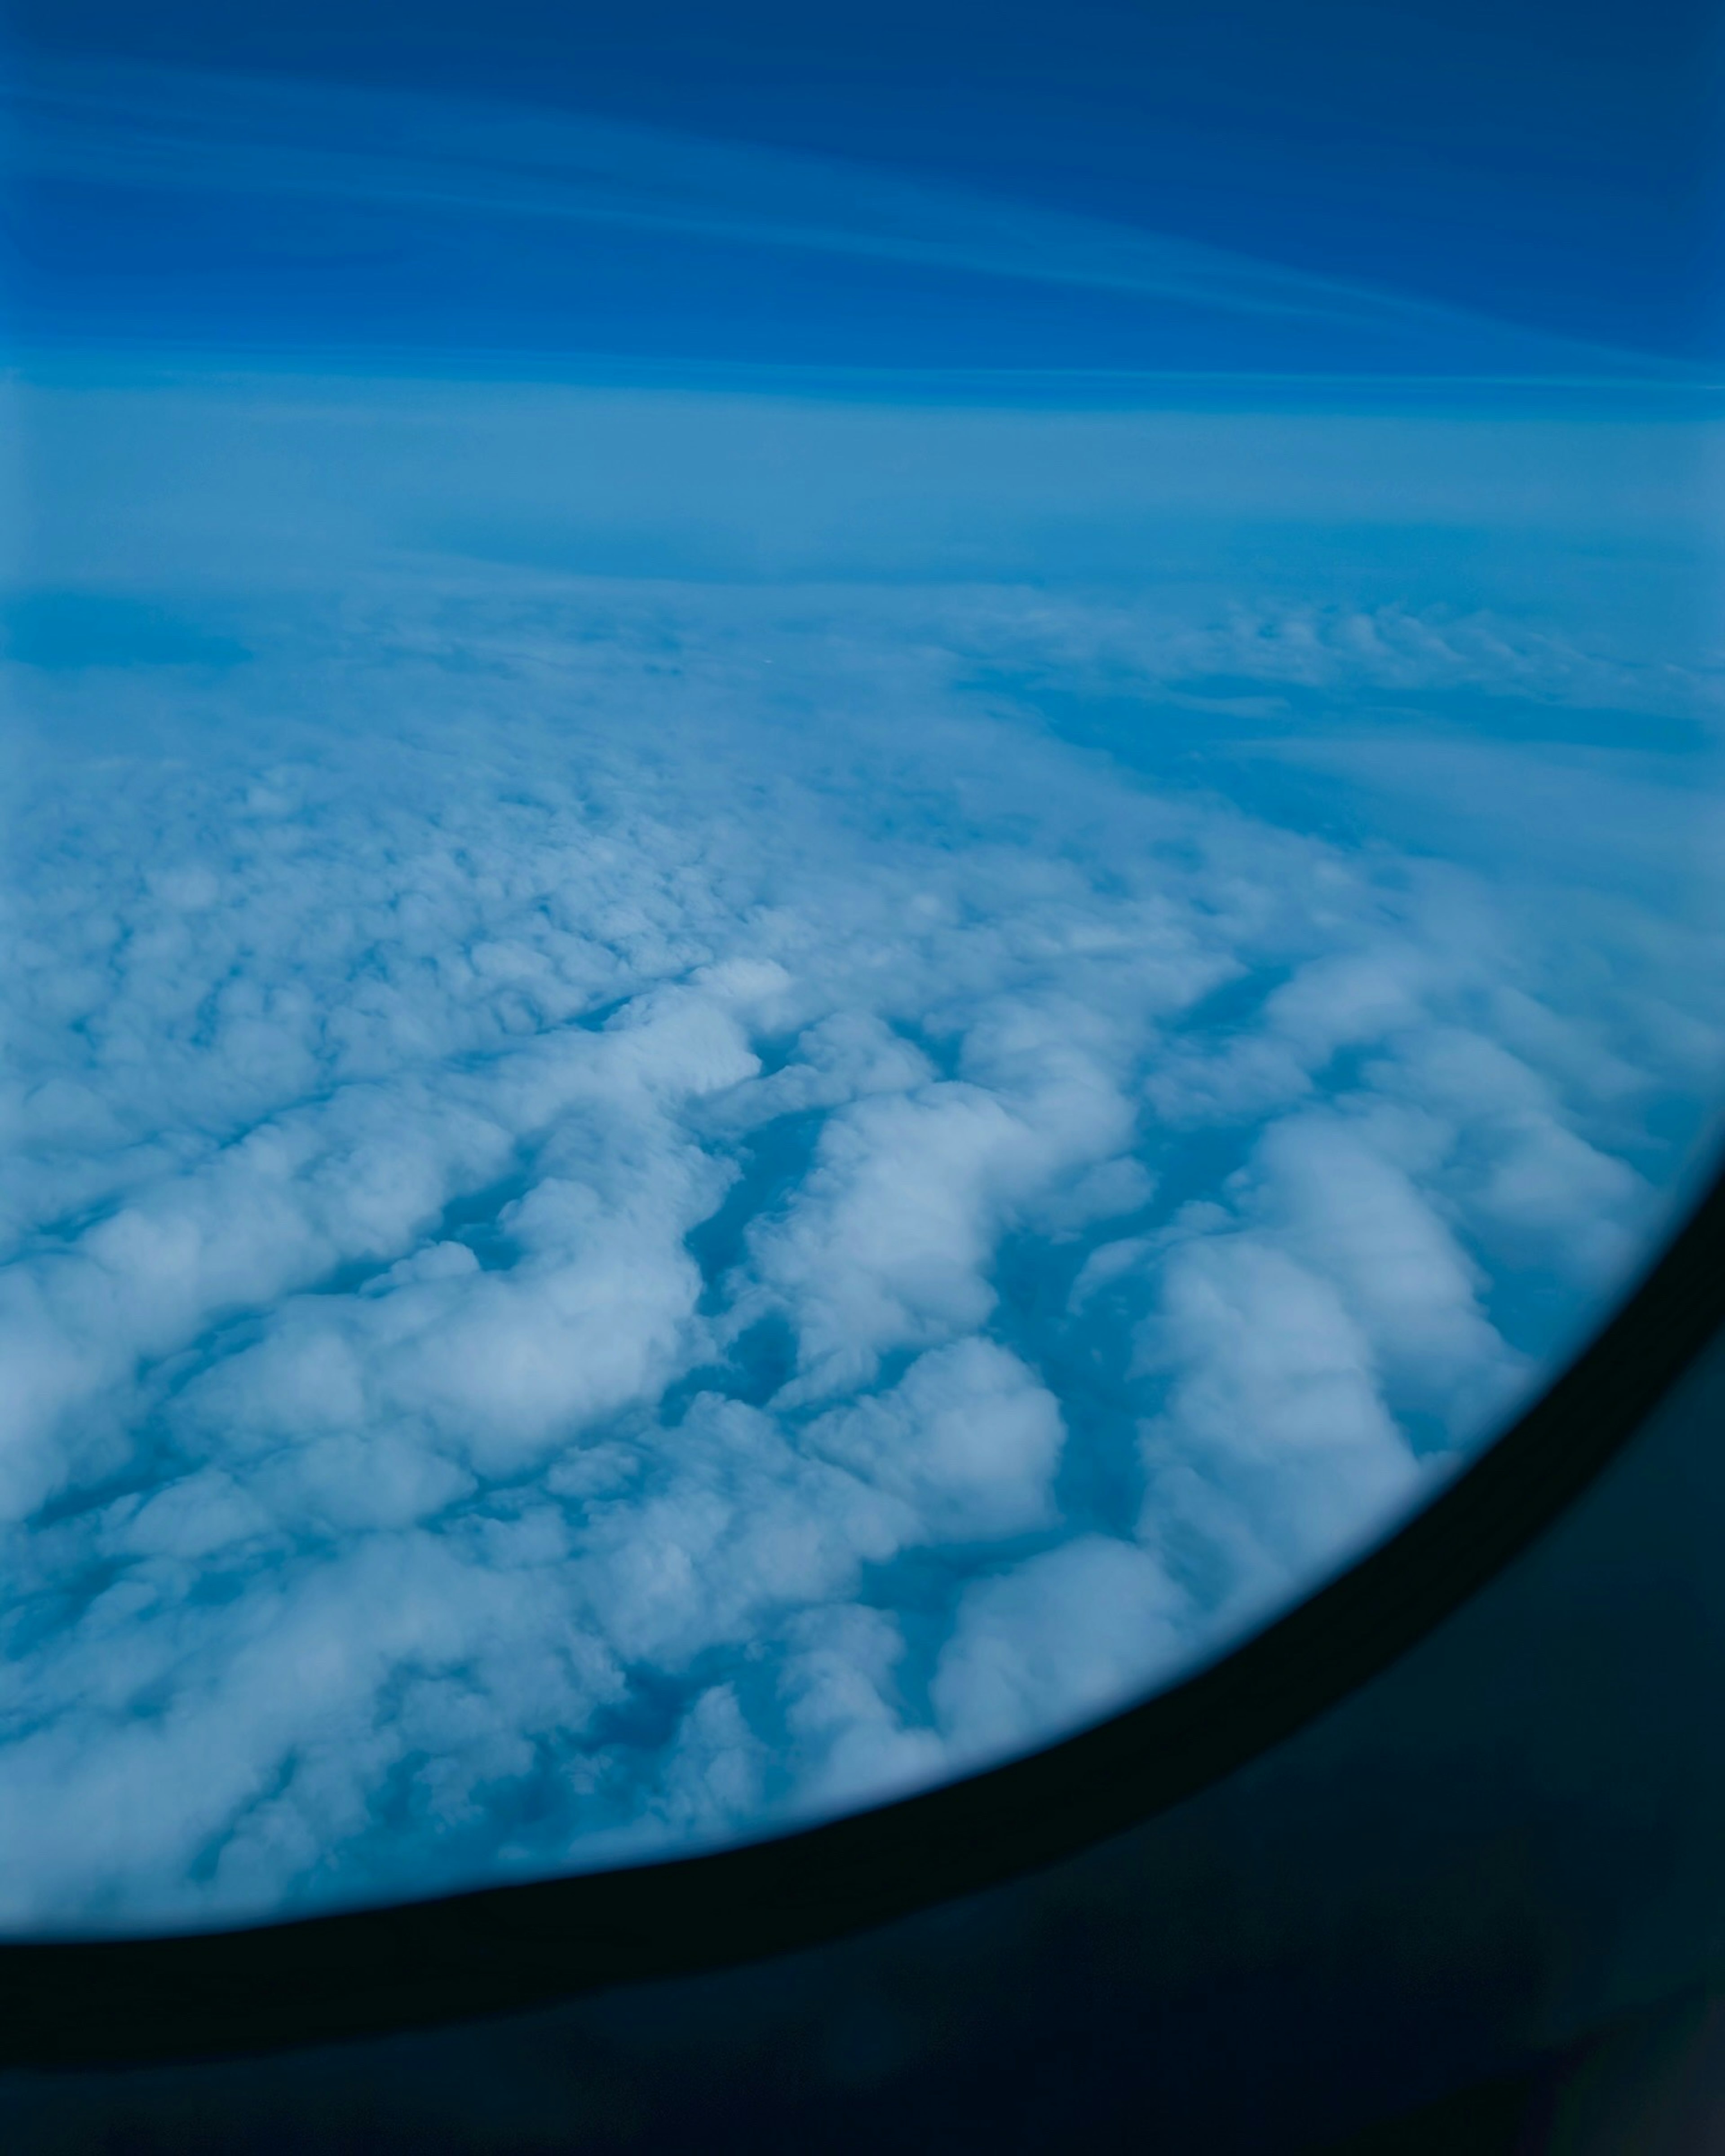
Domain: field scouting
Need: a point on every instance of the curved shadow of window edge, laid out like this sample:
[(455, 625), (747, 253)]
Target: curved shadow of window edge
[(369, 1971)]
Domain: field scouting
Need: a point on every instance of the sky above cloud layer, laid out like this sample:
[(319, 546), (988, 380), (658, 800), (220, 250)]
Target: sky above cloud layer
[(223, 210), (637, 1211), (1554, 169)]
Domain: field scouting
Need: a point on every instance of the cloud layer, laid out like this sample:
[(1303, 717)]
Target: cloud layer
[(631, 1212)]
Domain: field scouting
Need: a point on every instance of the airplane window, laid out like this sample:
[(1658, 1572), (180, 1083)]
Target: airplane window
[(830, 917)]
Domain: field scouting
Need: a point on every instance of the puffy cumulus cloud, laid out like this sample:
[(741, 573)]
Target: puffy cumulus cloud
[(628, 1215), (1059, 1639), (1275, 1448), (967, 1438)]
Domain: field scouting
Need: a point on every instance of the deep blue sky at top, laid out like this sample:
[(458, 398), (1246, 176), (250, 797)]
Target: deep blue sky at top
[(1555, 164)]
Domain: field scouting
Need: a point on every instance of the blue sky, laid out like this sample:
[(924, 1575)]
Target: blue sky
[(1512, 189), (853, 861)]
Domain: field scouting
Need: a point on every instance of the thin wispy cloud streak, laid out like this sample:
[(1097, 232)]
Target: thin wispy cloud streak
[(137, 127)]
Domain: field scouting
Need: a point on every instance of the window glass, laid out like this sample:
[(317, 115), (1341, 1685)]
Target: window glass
[(834, 906)]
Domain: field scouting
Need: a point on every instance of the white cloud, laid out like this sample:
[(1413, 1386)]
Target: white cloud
[(844, 1725), (1276, 1426), (967, 1438), (1060, 1641), (593, 1258)]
